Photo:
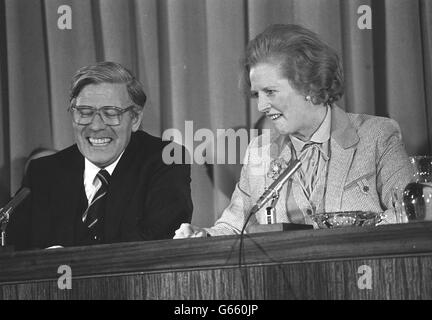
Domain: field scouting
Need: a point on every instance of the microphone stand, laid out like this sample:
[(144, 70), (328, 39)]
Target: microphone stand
[(4, 219), (271, 210), (7, 210), (272, 225)]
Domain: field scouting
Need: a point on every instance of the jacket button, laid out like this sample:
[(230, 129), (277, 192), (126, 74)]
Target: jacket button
[(365, 188), (309, 211)]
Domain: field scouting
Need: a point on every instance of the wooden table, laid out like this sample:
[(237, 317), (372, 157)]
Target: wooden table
[(385, 262)]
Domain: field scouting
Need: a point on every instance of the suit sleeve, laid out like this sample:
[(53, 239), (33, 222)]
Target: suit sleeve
[(235, 215), (168, 201), (394, 170)]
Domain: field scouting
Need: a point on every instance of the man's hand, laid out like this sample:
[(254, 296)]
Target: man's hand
[(187, 230)]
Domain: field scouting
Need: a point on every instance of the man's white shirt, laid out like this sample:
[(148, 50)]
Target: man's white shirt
[(91, 181)]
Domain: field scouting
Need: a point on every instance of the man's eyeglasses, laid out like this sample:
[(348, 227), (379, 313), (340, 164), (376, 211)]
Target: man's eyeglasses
[(111, 116)]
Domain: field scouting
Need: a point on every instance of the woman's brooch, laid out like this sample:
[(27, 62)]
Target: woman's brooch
[(276, 168)]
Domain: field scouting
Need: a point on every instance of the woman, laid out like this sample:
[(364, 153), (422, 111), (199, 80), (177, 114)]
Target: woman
[(349, 161)]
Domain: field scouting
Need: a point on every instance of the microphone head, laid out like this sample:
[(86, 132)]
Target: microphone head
[(293, 166)]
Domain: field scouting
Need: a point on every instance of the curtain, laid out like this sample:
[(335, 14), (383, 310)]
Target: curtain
[(187, 55)]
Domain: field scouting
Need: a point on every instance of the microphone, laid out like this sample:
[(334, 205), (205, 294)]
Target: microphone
[(11, 205), (276, 185)]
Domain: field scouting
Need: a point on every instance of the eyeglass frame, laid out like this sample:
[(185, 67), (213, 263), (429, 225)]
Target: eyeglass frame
[(99, 111)]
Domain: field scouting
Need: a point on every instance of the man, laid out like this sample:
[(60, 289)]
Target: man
[(112, 185)]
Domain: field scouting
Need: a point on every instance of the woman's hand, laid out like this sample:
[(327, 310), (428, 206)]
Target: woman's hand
[(187, 230)]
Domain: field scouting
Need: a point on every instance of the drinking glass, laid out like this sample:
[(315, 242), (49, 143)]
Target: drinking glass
[(417, 196)]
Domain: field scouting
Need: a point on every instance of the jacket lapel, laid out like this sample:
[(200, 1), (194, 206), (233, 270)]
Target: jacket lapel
[(121, 189), (343, 142)]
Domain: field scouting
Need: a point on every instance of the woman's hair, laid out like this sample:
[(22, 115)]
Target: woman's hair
[(107, 72), (311, 66)]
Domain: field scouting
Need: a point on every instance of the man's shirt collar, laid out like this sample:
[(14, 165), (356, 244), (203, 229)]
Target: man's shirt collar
[(90, 169)]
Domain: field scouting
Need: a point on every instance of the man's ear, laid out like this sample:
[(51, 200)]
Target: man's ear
[(137, 119)]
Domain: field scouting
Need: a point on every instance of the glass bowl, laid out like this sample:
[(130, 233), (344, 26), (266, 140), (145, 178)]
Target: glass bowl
[(331, 220)]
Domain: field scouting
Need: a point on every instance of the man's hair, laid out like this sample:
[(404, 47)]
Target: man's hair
[(311, 66), (107, 72)]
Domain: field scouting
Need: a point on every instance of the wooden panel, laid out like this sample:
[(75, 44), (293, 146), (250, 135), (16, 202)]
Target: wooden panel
[(316, 264), (198, 253), (394, 278)]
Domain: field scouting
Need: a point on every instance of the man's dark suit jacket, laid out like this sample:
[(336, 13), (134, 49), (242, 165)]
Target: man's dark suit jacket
[(146, 199)]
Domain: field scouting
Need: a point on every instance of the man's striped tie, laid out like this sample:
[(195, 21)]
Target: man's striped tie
[(95, 209)]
